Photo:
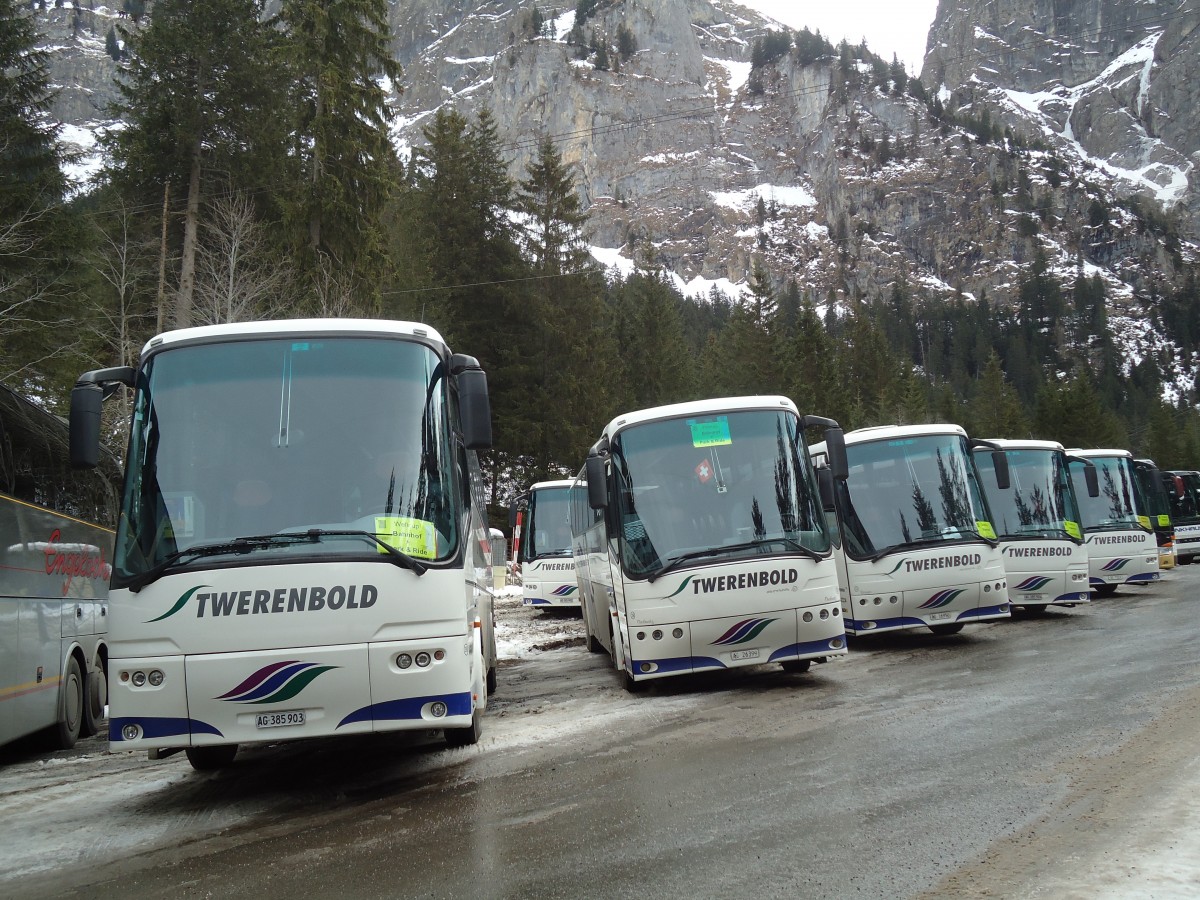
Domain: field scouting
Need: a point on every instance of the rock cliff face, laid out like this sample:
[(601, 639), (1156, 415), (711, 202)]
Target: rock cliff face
[(1109, 82), (675, 145)]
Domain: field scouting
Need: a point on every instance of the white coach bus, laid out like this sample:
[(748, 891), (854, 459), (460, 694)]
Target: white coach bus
[(1037, 521), (540, 520), (918, 549), (55, 550), (700, 542), (1118, 534), (302, 549)]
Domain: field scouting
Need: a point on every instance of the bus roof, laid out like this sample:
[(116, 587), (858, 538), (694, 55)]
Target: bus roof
[(890, 432), (697, 407), (308, 327), (1099, 454), (562, 483), (1022, 444)]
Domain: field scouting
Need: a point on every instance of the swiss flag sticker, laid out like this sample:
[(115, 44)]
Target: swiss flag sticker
[(704, 471)]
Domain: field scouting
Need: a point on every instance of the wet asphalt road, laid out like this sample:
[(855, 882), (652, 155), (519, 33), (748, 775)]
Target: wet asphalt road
[(917, 766)]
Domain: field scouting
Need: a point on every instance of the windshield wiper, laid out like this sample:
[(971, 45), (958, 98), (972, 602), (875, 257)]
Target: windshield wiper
[(398, 556), (676, 561), (250, 543), (197, 551), (547, 553), (930, 542)]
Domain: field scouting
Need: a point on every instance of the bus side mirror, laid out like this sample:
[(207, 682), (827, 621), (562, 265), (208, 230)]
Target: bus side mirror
[(475, 409), (512, 515), (1092, 481), (826, 487), (86, 402), (839, 464), (1000, 464), (596, 483)]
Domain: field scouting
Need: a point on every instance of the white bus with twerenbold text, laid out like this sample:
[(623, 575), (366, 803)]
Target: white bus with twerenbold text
[(302, 549), (541, 523), (700, 542)]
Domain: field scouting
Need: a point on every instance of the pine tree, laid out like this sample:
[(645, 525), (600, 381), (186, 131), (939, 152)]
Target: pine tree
[(38, 236), (338, 57), (202, 100), (564, 354)]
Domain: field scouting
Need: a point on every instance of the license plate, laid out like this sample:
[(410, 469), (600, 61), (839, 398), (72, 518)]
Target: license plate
[(280, 719), (1033, 597), (937, 617), (743, 654)]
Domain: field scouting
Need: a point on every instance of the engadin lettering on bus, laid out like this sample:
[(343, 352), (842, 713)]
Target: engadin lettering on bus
[(214, 604)]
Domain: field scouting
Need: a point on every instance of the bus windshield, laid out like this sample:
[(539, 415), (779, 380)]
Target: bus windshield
[(717, 486), (1040, 503), (1116, 507), (1154, 493), (549, 529), (1185, 501), (262, 437), (912, 490)]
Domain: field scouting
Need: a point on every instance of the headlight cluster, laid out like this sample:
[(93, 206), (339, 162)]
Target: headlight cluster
[(138, 678), (823, 614), (422, 659), (878, 601), (658, 635)]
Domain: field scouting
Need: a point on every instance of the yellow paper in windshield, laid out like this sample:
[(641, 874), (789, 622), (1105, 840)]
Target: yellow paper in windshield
[(710, 434), (1164, 521), (1144, 521), (986, 530), (416, 537), (1073, 530)]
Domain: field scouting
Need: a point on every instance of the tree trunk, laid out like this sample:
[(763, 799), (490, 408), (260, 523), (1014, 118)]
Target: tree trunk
[(191, 223)]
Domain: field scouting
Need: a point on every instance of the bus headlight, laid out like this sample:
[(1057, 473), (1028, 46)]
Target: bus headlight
[(403, 660), (422, 659), (130, 732), (437, 709), (138, 679), (677, 633), (807, 617), (156, 677)]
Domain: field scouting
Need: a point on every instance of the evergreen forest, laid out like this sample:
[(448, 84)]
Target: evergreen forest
[(255, 179)]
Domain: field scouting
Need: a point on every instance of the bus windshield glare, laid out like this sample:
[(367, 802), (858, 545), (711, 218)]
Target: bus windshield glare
[(1116, 507), (736, 483), (548, 530), (1041, 502), (338, 434), (911, 490)]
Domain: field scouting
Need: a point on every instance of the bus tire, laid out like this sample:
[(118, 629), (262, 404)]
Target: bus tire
[(948, 628), (71, 706), (491, 681), (594, 645), (796, 666), (97, 697), (465, 737), (211, 758), (1104, 590), (634, 687)]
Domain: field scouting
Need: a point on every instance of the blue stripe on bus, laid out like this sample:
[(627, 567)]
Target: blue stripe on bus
[(808, 648), (1142, 578), (677, 664), (159, 727), (409, 708), (1081, 597)]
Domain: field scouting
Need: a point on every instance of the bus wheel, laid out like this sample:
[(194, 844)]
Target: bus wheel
[(1105, 590), (949, 628), (491, 681), (97, 696), (634, 687), (594, 645), (797, 666), (209, 759), (465, 737), (70, 713)]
